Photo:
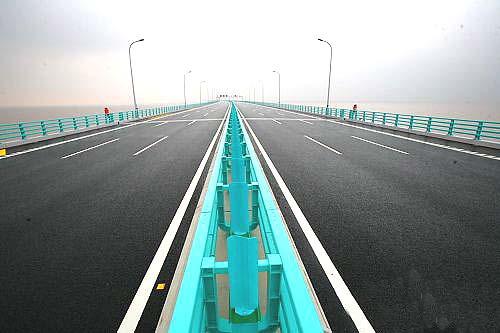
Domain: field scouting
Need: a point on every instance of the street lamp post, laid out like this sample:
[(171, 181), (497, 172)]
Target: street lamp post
[(131, 73), (329, 74), (201, 82), (279, 87), (185, 104)]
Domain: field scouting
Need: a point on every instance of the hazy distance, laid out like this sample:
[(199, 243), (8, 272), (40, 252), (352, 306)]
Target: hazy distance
[(76, 52)]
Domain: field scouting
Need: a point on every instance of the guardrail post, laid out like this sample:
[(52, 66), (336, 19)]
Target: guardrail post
[(412, 119), (364, 115), (255, 205), (429, 125), (210, 291), (61, 127), (479, 130), (273, 287), (451, 128), (86, 121), (384, 117), (22, 131), (44, 127), (75, 126), (396, 121)]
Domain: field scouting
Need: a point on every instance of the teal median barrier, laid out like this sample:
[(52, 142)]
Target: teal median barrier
[(35, 129), (241, 237), (470, 129)]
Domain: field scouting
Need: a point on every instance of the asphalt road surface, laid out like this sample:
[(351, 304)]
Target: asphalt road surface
[(412, 227), (81, 221)]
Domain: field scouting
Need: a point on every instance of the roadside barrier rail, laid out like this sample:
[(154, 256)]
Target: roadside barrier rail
[(238, 210), (470, 129), (33, 129)]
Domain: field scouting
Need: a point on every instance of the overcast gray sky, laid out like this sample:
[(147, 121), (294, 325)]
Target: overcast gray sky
[(76, 52)]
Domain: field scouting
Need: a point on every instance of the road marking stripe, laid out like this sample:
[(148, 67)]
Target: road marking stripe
[(305, 115), (261, 113), (161, 124), (191, 122), (323, 145), (497, 158), (348, 302), (277, 122), (94, 134), (136, 308), (378, 144), (151, 145), (205, 115), (186, 115), (279, 113), (176, 113), (266, 118), (305, 121), (90, 148)]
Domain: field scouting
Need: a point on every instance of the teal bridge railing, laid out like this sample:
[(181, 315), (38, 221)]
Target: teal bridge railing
[(241, 236), (33, 129), (471, 129)]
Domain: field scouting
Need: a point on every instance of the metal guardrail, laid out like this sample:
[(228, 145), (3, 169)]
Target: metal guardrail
[(239, 206), (33, 129), (471, 129)]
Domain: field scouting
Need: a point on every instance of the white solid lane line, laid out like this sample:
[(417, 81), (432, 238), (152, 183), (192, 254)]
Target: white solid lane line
[(66, 141), (151, 145), (378, 144), (90, 148), (93, 134), (323, 145), (469, 152), (277, 122), (136, 308), (305, 121), (344, 294)]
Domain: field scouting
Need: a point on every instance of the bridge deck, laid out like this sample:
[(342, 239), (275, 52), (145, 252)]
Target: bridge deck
[(412, 227)]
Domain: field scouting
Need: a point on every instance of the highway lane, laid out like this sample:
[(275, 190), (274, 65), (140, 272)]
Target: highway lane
[(78, 234), (411, 227)]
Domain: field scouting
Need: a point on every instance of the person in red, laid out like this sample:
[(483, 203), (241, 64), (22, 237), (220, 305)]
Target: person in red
[(106, 113)]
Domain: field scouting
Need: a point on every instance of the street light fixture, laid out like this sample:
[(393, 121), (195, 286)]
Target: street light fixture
[(131, 74), (330, 73), (279, 87), (185, 104), (201, 82)]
